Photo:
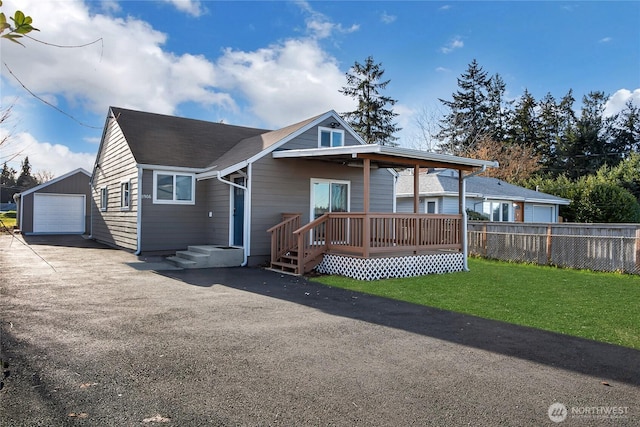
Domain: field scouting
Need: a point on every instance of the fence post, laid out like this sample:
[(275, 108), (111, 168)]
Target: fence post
[(637, 251), (483, 238), (549, 240)]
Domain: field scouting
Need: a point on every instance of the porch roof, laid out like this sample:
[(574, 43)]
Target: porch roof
[(384, 157)]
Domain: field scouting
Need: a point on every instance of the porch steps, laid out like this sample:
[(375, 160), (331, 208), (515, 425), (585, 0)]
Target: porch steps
[(208, 256), (288, 263)]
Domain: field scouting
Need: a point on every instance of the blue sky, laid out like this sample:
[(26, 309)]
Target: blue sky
[(273, 63)]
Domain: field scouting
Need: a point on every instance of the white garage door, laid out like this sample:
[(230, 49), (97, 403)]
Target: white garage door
[(58, 213), (543, 214)]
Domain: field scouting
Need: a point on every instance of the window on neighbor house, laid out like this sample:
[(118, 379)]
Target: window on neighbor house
[(104, 198), (328, 137), (431, 206), (173, 188), (125, 195), (497, 211)]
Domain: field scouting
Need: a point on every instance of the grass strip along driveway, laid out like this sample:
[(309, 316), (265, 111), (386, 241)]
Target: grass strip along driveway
[(598, 306)]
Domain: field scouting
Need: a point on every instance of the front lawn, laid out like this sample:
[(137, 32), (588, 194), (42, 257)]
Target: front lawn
[(8, 219), (598, 306)]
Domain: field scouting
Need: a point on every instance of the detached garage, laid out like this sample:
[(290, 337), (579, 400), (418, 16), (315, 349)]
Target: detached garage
[(60, 206)]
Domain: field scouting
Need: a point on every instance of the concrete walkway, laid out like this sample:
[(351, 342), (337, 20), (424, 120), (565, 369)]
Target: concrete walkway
[(95, 336)]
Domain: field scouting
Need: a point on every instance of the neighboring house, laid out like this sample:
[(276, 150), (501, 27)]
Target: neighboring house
[(59, 206), (497, 200), (165, 184)]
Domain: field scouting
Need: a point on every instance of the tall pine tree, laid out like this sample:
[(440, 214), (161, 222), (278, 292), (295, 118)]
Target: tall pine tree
[(373, 120), (467, 121)]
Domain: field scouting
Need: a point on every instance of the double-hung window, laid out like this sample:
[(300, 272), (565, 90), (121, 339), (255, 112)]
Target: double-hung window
[(174, 188), (329, 137), (125, 195)]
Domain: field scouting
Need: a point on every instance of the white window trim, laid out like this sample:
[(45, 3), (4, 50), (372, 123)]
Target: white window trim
[(500, 202), (426, 202), (174, 201), (330, 130), (329, 181), (127, 206), (104, 198)]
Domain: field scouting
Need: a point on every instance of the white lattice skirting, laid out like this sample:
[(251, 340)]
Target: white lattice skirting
[(382, 268)]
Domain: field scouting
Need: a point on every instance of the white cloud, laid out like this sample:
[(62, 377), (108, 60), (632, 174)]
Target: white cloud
[(605, 40), (455, 43), (191, 7), (127, 68), (130, 67), (617, 101), (43, 156), (319, 25), (285, 82), (388, 19)]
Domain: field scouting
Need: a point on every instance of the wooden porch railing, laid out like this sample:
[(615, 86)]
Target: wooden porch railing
[(282, 238), (364, 235)]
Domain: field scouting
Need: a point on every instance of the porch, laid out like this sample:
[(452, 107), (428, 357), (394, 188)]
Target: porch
[(368, 245)]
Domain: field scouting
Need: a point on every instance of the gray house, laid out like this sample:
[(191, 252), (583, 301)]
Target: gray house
[(497, 200), (59, 206), (292, 197)]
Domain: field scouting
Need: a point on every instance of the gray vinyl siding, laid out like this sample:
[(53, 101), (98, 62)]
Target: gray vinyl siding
[(405, 205), (171, 227), (283, 186), (77, 183), (115, 226), (309, 139)]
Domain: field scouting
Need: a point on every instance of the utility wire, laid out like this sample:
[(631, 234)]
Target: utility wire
[(48, 103)]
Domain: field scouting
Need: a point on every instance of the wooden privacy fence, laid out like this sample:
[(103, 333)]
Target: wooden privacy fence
[(599, 247)]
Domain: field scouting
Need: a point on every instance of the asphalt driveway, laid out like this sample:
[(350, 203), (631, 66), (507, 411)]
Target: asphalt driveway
[(96, 336)]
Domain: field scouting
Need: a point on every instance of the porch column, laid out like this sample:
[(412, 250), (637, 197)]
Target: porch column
[(460, 191), (367, 184), (366, 232), (416, 189)]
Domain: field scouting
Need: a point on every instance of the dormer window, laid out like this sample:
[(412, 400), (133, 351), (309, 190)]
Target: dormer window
[(328, 137)]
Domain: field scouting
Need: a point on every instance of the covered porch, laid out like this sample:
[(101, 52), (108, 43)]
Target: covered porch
[(371, 245)]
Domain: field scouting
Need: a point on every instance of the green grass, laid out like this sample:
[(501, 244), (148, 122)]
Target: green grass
[(598, 306), (8, 219)]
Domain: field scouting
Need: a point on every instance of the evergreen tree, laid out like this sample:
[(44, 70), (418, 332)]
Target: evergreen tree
[(497, 108), (548, 132), (523, 124), (25, 180), (624, 129), (7, 184), (467, 120), (372, 119), (566, 137)]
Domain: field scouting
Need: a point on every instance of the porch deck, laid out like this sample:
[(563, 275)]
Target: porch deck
[(364, 238)]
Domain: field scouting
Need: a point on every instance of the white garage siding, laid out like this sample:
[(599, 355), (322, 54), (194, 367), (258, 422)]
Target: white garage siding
[(59, 213)]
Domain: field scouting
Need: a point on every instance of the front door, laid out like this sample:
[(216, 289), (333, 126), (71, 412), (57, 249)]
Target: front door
[(238, 213)]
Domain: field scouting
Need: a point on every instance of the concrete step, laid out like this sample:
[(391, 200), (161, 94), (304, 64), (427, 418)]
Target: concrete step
[(208, 256), (181, 262), (199, 258)]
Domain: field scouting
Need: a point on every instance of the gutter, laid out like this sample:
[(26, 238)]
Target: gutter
[(139, 214), (465, 238), (247, 215)]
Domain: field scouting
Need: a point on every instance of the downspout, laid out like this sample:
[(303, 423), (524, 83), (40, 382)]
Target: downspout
[(245, 234), (463, 195), (139, 214)]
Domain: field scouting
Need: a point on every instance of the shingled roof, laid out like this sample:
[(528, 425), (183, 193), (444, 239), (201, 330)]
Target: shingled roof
[(157, 139), (444, 184)]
